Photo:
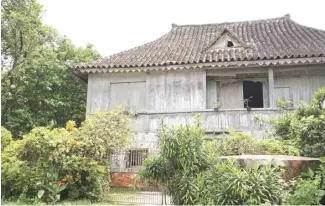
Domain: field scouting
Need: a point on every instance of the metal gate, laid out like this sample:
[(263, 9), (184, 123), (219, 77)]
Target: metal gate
[(153, 196)]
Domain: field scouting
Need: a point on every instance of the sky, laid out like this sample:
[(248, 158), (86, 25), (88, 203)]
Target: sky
[(113, 26)]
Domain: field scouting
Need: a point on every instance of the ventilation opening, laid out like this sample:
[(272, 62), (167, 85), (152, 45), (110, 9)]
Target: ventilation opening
[(253, 94), (230, 44)]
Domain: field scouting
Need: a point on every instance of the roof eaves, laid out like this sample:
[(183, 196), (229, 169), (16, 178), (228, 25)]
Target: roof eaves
[(230, 64)]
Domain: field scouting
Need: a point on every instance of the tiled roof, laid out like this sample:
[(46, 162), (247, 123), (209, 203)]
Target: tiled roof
[(261, 40)]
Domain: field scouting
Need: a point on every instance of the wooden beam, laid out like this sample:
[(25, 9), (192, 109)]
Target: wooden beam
[(271, 87)]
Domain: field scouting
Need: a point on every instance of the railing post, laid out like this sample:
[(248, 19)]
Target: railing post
[(162, 196)]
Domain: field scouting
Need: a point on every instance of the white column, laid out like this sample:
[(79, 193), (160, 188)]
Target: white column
[(204, 89), (271, 87)]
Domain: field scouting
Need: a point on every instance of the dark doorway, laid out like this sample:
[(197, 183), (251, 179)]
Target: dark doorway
[(253, 94)]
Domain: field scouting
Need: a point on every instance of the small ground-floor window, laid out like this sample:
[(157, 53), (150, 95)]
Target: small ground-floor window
[(136, 157)]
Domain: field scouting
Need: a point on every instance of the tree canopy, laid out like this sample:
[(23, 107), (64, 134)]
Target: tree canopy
[(37, 87)]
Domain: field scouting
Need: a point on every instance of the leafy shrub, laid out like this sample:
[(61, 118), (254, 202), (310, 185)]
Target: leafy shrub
[(226, 184), (307, 192), (180, 159), (6, 138), (310, 187), (191, 172), (274, 146), (81, 156), (238, 143), (53, 186), (234, 143), (306, 126)]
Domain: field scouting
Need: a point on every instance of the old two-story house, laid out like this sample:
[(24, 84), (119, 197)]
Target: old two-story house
[(196, 68)]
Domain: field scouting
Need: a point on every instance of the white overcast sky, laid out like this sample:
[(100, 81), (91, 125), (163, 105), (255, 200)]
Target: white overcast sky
[(116, 25)]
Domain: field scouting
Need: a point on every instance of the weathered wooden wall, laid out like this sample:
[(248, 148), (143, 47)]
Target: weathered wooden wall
[(155, 91), (172, 91), (179, 95), (290, 83), (106, 90), (197, 89), (298, 89)]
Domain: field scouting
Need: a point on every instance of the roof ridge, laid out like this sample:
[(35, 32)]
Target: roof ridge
[(287, 16), (308, 27)]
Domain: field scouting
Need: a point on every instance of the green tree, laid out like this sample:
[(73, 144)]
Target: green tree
[(22, 33), (37, 87), (46, 91)]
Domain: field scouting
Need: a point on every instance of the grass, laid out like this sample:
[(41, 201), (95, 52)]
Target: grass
[(115, 196), (134, 196), (78, 202)]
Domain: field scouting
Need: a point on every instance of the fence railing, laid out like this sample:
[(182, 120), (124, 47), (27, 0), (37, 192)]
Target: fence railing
[(149, 195)]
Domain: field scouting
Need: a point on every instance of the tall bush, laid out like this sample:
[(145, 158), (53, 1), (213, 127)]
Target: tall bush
[(81, 158), (191, 172), (305, 127), (227, 184), (181, 158)]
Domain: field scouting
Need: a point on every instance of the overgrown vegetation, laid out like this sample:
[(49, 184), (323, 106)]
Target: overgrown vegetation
[(305, 127), (239, 143), (192, 174), (46, 159), (310, 187), (181, 159), (227, 184)]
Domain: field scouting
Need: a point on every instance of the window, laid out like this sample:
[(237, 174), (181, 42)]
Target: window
[(230, 44), (281, 92), (136, 157), (213, 93), (253, 93), (132, 94)]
